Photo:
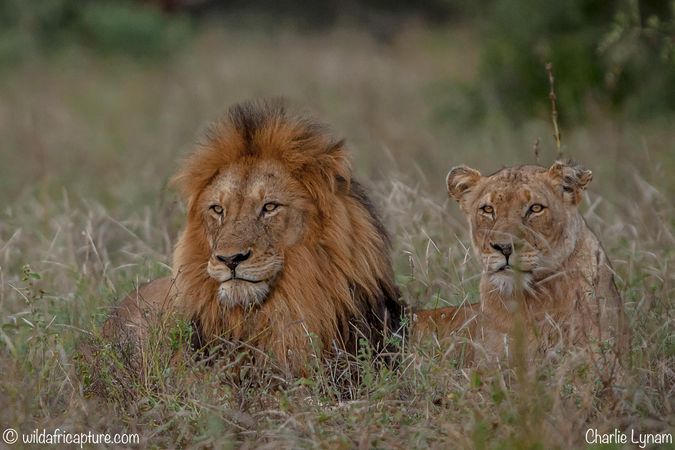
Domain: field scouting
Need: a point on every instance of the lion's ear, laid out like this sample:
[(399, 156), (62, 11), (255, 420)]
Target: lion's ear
[(194, 175), (322, 173), (571, 178), (460, 180), (334, 165)]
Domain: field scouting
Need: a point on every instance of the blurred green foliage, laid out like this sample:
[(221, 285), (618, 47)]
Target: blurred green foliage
[(110, 26), (130, 28), (619, 54), (614, 54)]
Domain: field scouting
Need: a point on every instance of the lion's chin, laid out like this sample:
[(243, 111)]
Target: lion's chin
[(507, 281), (235, 292)]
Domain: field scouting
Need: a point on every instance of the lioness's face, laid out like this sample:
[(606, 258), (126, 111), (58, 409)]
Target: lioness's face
[(250, 213), (522, 219)]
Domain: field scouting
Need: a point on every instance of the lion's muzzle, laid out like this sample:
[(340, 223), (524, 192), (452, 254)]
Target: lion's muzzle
[(233, 260), (244, 281)]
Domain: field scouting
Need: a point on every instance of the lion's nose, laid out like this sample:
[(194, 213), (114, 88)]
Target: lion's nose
[(504, 249), (232, 261)]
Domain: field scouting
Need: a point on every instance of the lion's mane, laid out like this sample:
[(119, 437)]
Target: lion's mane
[(337, 285)]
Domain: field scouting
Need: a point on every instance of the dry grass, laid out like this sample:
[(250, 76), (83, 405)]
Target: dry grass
[(79, 130)]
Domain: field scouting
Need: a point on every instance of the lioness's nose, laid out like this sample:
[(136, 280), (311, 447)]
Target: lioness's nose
[(232, 261), (504, 249)]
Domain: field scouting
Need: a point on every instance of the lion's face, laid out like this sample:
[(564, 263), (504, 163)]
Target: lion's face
[(249, 214), (280, 242), (523, 220)]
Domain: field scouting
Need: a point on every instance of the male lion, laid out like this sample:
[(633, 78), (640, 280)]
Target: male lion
[(544, 271), (282, 249)]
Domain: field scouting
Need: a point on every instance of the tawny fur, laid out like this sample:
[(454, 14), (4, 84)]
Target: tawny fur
[(442, 323), (559, 287), (332, 281)]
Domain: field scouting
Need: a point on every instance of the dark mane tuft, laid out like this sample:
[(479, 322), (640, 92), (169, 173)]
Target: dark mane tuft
[(247, 118)]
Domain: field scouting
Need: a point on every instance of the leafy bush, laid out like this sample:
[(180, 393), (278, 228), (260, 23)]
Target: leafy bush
[(103, 25), (614, 53), (639, 52), (129, 28)]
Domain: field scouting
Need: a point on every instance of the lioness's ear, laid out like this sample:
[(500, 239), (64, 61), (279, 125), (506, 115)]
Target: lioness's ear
[(460, 180), (571, 178)]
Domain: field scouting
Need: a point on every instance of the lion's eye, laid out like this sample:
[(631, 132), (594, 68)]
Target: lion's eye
[(487, 209), (536, 208), (216, 209), (269, 207)]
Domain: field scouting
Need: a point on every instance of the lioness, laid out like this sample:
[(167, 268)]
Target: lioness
[(282, 250), (542, 265)]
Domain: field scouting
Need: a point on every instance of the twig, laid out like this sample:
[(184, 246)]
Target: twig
[(535, 148), (554, 109)]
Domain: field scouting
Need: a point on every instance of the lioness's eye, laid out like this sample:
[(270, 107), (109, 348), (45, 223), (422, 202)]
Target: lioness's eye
[(216, 209), (487, 209), (536, 208), (269, 207)]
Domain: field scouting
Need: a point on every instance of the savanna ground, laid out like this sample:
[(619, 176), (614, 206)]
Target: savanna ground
[(89, 143)]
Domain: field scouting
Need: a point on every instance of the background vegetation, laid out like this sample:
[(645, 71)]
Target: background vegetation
[(98, 101)]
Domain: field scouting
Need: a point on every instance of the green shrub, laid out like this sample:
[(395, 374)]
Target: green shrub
[(639, 53), (115, 26), (124, 27), (614, 53)]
